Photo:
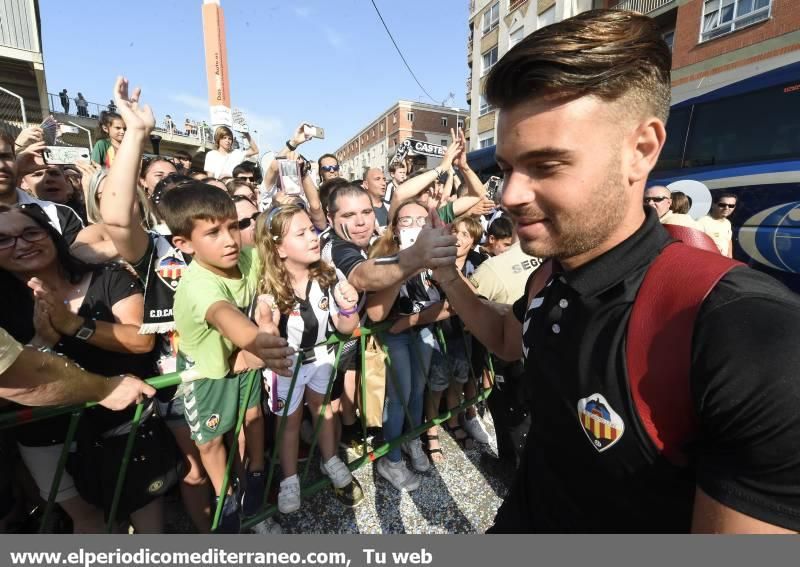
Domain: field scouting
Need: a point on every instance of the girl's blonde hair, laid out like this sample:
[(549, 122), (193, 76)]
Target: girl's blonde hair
[(387, 244), (271, 227)]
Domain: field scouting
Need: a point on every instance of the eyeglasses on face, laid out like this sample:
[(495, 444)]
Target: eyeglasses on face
[(654, 199), (245, 223), (28, 235), (329, 168), (405, 222), (726, 206)]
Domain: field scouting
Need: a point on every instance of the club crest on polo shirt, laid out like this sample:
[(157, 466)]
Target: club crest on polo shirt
[(602, 425), (169, 268), (213, 422)]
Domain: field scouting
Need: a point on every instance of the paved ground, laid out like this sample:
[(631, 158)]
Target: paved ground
[(458, 495)]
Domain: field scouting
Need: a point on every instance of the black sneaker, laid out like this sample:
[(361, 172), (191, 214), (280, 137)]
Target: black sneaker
[(351, 495), (351, 436), (253, 497), (229, 521)]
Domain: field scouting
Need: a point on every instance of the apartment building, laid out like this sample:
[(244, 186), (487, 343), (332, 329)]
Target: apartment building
[(376, 143), (714, 42), (495, 26)]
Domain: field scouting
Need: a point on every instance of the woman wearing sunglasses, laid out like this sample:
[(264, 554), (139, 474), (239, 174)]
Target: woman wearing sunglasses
[(412, 307), (247, 213)]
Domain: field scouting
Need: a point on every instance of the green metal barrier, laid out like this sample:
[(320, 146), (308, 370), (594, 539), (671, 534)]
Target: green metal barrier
[(10, 419)]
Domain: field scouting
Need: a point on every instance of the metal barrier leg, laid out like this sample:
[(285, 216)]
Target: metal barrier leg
[(62, 462), (223, 493), (323, 408), (282, 426), (123, 467)]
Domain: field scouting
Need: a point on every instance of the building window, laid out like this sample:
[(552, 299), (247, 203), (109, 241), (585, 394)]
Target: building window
[(489, 60), (444, 143), (484, 107), (514, 4), (486, 140), (443, 120), (724, 16), (669, 38), (491, 18), (516, 36), (460, 123), (410, 117), (394, 118), (547, 17), (381, 126)]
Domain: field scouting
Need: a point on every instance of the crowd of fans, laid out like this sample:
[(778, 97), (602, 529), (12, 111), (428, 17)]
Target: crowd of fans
[(141, 264)]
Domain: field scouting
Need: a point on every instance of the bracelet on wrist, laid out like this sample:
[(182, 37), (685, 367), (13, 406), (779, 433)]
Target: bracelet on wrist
[(348, 312), (290, 146)]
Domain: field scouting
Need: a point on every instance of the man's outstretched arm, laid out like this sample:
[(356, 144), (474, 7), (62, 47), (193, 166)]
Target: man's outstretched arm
[(500, 333)]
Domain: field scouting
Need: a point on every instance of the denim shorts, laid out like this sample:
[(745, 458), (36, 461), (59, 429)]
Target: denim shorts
[(454, 365)]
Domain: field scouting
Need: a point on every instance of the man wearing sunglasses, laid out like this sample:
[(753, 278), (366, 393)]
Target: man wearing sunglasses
[(328, 168), (717, 225), (659, 198)]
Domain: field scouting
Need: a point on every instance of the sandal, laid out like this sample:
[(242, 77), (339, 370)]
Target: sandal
[(460, 436), (434, 453)]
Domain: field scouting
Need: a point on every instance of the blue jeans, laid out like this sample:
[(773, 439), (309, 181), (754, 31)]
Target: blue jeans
[(410, 357)]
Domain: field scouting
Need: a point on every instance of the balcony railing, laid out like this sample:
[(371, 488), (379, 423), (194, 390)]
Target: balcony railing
[(642, 6), (191, 129)]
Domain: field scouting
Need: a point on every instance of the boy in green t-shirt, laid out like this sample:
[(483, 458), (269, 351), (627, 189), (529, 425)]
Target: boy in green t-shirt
[(214, 293)]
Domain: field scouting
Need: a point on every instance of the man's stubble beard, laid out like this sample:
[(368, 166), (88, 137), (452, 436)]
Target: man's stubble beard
[(582, 230)]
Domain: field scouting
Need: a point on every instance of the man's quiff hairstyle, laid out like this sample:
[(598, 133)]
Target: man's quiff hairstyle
[(609, 54)]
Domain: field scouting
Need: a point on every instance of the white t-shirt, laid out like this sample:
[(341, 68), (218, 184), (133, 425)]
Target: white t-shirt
[(221, 165), (681, 220), (719, 230)]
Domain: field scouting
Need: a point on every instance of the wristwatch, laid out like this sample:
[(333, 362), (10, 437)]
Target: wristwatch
[(290, 146), (86, 330)]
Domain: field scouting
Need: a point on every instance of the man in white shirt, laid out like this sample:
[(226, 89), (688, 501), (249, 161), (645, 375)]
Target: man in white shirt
[(717, 224), (220, 162)]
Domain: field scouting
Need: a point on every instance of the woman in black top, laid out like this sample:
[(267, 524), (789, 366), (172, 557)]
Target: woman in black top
[(89, 313)]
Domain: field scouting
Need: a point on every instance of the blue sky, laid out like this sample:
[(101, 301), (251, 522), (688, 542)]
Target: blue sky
[(326, 62)]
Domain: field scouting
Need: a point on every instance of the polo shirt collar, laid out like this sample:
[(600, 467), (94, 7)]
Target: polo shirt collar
[(614, 266)]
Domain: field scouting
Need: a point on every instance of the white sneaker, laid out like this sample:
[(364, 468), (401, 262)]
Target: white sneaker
[(476, 430), (397, 474), (419, 460), (337, 471), (268, 526), (289, 495)]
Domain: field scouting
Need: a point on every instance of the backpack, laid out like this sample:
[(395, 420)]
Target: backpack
[(664, 311)]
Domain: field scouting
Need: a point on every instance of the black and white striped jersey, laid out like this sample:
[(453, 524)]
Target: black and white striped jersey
[(309, 323)]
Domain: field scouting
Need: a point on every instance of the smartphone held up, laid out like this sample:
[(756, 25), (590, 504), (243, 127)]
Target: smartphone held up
[(313, 131), (65, 155)]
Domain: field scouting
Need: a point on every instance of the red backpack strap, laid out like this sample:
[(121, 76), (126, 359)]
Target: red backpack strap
[(659, 342)]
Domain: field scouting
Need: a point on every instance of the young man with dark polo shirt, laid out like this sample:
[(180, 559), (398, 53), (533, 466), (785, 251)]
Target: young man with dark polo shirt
[(583, 104)]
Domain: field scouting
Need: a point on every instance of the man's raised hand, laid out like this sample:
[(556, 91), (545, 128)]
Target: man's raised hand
[(435, 247)]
